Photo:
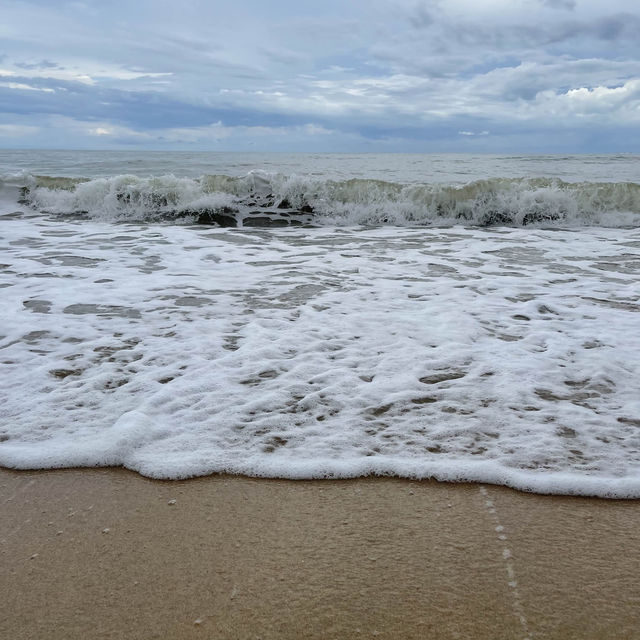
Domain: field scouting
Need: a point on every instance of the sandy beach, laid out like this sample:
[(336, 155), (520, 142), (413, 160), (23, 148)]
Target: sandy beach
[(107, 553)]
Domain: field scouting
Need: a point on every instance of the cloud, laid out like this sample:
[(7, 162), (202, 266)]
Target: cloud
[(604, 104), (421, 17), (401, 74), (568, 5), (43, 64), (25, 87), (16, 130), (103, 134)]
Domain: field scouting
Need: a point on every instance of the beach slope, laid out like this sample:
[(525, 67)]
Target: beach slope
[(107, 553)]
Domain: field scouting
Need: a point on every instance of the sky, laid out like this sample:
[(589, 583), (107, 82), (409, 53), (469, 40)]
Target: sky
[(495, 76)]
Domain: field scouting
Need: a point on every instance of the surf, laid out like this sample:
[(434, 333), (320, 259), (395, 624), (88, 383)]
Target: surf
[(260, 198)]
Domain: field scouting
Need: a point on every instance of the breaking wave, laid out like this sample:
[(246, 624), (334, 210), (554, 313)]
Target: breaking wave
[(265, 199)]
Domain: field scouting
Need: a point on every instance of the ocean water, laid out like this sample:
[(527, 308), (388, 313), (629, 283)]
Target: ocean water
[(454, 317)]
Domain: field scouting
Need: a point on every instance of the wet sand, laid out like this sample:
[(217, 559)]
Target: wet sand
[(109, 554)]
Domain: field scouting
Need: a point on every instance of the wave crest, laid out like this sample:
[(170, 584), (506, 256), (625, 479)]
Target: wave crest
[(291, 199)]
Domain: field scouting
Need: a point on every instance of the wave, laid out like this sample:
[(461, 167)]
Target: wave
[(270, 199)]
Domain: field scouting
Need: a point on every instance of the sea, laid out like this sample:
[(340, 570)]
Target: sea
[(456, 317)]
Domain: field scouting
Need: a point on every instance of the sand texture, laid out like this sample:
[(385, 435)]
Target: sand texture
[(90, 554)]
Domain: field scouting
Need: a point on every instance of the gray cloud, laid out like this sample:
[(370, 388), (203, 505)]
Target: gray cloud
[(422, 16), (568, 5), (43, 64), (530, 34)]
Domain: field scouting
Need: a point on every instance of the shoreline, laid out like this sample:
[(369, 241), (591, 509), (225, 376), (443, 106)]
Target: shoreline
[(107, 553)]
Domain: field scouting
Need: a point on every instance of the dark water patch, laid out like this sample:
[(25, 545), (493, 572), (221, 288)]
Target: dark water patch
[(282, 220), (560, 267), (562, 281), (544, 309), (522, 297), (614, 304), (301, 293), (70, 260), (547, 394), (222, 217), (273, 443), (191, 301), (435, 448), (261, 377), (32, 243), (442, 377), (58, 234), (38, 306), (230, 342), (45, 274), (626, 263), (103, 310), (578, 384), (634, 422), (112, 385), (521, 255), (109, 350), (151, 264), (61, 374), (379, 411), (35, 336), (424, 400), (269, 263), (437, 269)]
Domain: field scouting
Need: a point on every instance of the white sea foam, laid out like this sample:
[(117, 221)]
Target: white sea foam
[(496, 355)]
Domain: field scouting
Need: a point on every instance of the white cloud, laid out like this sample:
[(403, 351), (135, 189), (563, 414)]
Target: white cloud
[(607, 105), (25, 87), (83, 71)]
